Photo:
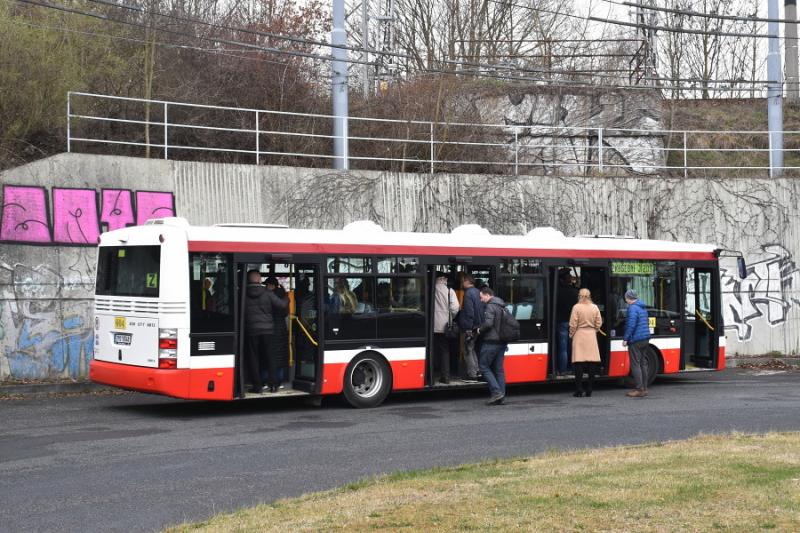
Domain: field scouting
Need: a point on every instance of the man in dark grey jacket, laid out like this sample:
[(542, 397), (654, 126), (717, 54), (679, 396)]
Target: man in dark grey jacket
[(259, 328), (493, 349)]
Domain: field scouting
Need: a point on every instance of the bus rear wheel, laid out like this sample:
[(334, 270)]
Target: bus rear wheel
[(367, 381)]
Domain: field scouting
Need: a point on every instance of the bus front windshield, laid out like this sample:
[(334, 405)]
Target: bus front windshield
[(128, 271)]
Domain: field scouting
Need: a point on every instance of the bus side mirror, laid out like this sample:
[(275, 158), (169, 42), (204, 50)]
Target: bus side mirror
[(742, 267)]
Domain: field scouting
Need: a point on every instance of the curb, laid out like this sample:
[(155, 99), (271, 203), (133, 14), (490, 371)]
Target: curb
[(734, 362), (35, 389)]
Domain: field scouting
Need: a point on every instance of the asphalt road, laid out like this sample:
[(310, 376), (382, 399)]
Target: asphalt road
[(134, 462)]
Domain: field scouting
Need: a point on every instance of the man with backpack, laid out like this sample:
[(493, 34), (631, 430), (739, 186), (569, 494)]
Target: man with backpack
[(497, 329)]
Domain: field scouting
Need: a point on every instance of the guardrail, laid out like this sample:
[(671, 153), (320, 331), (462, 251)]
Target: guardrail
[(179, 130)]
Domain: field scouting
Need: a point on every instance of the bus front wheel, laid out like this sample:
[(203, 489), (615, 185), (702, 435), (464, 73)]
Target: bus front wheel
[(367, 381)]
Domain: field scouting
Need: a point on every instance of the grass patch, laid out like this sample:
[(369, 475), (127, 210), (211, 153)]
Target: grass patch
[(712, 483)]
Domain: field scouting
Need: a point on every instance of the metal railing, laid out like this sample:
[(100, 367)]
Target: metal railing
[(177, 130)]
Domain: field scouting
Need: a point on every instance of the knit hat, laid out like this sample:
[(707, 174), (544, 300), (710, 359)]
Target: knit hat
[(630, 294)]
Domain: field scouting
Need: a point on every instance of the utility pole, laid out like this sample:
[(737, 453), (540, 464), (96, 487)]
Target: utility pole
[(774, 93), (790, 31), (365, 46), (339, 88)]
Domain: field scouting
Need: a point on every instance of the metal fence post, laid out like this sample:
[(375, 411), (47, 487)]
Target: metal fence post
[(685, 158), (166, 143), (432, 148), (68, 123), (600, 149), (771, 156), (258, 137), (516, 152)]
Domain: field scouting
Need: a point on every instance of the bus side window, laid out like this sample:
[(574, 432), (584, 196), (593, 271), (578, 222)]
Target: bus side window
[(211, 293), (524, 297), (350, 308)]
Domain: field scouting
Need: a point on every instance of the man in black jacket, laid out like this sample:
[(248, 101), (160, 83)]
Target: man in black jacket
[(493, 349), (259, 329)]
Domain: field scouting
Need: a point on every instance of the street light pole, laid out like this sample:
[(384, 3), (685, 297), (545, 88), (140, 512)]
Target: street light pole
[(774, 93), (339, 88)]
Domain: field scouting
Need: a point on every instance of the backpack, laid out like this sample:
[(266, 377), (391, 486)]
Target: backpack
[(507, 327)]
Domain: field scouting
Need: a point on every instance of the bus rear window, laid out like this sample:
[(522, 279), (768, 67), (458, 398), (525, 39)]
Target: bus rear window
[(128, 271)]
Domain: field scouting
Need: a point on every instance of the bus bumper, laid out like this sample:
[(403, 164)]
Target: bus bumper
[(197, 384)]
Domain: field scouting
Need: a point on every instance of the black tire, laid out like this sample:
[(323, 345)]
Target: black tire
[(367, 380), (653, 364)]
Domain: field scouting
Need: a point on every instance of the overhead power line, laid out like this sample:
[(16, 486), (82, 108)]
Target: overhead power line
[(485, 70), (699, 14), (213, 51)]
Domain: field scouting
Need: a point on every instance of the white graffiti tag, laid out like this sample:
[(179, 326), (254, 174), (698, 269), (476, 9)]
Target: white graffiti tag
[(767, 293)]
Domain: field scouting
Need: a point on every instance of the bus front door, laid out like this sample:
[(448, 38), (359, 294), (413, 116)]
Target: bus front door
[(700, 340)]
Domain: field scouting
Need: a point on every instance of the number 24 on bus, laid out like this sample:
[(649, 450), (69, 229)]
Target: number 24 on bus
[(171, 313)]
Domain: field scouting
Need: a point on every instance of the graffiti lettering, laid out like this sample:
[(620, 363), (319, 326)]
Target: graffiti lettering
[(24, 215), (37, 342), (76, 218), (767, 293), (117, 209)]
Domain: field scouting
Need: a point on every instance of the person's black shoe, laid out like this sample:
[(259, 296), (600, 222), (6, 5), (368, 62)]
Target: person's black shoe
[(578, 394), (445, 381), (258, 390), (496, 399), (588, 393)]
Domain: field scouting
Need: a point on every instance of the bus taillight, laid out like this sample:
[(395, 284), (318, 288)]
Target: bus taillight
[(167, 348)]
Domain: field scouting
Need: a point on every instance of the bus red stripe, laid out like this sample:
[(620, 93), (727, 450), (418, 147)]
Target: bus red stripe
[(386, 249)]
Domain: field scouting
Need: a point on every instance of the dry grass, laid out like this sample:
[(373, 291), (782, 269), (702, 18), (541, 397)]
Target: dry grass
[(716, 483)]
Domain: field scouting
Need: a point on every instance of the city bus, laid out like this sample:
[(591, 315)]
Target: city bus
[(170, 305)]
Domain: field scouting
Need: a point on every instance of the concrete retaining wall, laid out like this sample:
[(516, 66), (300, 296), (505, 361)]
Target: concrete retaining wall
[(47, 258)]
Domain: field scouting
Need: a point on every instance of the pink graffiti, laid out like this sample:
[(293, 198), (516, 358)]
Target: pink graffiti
[(75, 216), (24, 215), (153, 205), (117, 209)]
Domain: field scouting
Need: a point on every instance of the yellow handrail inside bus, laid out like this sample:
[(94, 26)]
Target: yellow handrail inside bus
[(603, 333), (304, 330), (701, 317)]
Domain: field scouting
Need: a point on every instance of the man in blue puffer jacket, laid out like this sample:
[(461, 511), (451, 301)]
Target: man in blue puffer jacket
[(637, 339)]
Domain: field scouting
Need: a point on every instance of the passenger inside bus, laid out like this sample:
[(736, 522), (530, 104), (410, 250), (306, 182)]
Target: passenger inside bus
[(280, 337)]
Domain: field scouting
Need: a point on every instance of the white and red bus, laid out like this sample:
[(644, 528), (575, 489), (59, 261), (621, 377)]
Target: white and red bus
[(169, 304)]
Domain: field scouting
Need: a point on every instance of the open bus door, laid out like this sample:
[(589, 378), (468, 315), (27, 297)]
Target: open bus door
[(592, 275), (301, 341), (455, 270), (700, 342)]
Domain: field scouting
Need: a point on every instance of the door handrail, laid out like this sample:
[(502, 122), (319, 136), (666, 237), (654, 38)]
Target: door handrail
[(304, 330), (701, 317)]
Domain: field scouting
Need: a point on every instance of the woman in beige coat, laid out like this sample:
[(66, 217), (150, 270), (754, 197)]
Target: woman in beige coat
[(584, 323)]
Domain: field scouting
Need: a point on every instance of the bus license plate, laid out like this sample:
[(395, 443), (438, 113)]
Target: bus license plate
[(123, 339)]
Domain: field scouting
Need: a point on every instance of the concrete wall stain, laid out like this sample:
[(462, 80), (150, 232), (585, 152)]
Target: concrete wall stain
[(47, 261)]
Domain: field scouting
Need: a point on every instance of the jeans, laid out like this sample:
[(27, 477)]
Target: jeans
[(564, 347), (470, 355), (639, 366), (491, 365)]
